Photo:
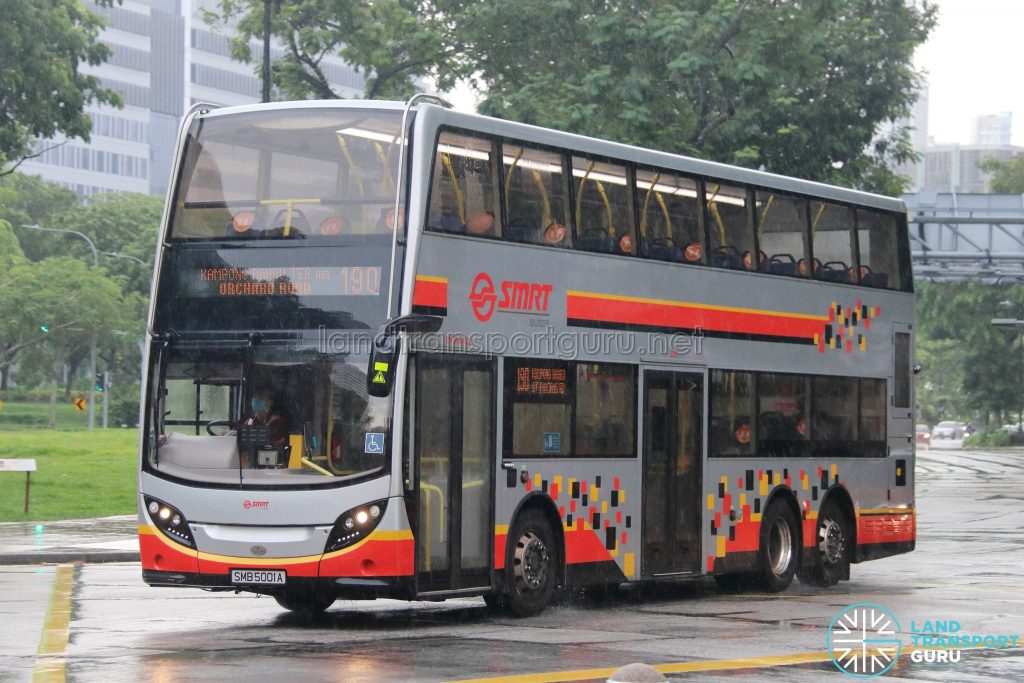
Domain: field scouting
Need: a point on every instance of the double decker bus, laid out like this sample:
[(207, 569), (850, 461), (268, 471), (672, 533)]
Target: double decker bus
[(402, 351)]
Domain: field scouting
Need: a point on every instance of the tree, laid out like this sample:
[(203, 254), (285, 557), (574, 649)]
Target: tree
[(42, 91), (1007, 176), (391, 42), (799, 88), (26, 199)]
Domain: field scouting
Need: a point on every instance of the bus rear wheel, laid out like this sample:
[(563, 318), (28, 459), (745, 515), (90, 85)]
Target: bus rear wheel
[(780, 547), (309, 604), (832, 536), (531, 564)]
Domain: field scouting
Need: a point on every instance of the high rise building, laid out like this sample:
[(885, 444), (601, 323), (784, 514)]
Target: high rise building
[(164, 59), (992, 129)]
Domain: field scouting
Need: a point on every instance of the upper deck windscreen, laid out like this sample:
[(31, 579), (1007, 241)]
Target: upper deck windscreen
[(288, 174)]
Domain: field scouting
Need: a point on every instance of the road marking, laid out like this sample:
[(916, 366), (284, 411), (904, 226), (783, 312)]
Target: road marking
[(693, 667), (50, 664)]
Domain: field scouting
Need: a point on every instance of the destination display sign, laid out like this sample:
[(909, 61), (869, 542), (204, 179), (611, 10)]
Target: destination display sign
[(541, 381), (289, 281)]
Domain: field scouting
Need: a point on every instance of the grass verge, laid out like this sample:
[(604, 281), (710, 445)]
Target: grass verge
[(80, 474)]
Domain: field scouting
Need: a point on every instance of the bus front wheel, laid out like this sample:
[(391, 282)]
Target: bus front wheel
[(531, 564), (309, 604), (780, 547), (832, 536)]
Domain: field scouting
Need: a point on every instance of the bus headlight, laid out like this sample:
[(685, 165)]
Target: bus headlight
[(170, 521), (354, 525)]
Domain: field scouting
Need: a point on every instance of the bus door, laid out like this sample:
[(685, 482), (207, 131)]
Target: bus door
[(453, 443), (673, 448)]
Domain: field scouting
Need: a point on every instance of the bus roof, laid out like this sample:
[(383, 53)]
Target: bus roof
[(438, 115)]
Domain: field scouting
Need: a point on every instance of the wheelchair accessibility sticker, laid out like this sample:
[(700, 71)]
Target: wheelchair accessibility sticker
[(374, 442)]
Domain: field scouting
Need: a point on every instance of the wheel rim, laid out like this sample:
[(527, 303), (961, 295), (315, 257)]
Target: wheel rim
[(532, 561), (780, 547), (830, 541)]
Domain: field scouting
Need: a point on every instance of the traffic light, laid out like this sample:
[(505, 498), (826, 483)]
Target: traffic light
[(45, 329), (101, 381)]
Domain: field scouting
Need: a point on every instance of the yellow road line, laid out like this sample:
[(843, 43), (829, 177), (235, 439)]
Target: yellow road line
[(50, 663)]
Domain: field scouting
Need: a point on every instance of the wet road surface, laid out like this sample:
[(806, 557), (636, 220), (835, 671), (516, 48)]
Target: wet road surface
[(966, 568)]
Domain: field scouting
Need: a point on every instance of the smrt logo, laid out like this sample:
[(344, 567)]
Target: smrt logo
[(516, 297), (247, 504)]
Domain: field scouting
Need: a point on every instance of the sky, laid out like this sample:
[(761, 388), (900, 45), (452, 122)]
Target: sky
[(975, 64)]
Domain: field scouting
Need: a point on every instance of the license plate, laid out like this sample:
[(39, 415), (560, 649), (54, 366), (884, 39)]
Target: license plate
[(262, 577)]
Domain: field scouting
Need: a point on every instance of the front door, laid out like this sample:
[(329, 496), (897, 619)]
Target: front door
[(673, 449), (454, 451)]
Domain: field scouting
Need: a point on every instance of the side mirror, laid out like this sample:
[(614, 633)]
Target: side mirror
[(380, 374)]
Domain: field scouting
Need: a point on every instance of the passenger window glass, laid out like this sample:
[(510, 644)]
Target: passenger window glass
[(535, 196), (781, 225), (730, 237), (877, 239), (463, 190), (872, 417), (540, 397), (732, 414), (834, 423), (670, 227), (605, 405), (604, 219), (782, 424), (831, 230)]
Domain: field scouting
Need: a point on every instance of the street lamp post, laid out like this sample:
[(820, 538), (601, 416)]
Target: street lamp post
[(92, 341), (1019, 325), (114, 254)]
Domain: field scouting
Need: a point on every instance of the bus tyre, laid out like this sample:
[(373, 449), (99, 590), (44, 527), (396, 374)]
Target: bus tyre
[(780, 547), (832, 536), (308, 604), (496, 602), (531, 564)]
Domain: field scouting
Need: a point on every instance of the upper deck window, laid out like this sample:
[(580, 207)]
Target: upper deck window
[(877, 240), (670, 225), (288, 174), (781, 225), (730, 236), (464, 188), (604, 217), (535, 196), (831, 234)]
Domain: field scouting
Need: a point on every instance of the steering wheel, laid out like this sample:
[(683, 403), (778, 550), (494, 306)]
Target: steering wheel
[(219, 423)]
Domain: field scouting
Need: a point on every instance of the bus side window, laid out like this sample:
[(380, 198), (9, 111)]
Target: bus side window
[(877, 238), (730, 237), (670, 225), (781, 224), (463, 189), (535, 205), (732, 414), (604, 217), (831, 234)]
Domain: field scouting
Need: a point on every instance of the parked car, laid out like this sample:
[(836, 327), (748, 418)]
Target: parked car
[(948, 430), (922, 434)]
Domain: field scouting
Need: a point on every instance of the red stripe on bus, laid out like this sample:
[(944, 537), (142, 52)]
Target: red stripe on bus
[(430, 293), (689, 317), (886, 528), (207, 566), (165, 556), (373, 558)]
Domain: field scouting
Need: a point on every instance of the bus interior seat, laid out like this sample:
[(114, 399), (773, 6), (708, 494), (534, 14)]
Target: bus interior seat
[(727, 257), (871, 278), (299, 226), (522, 230), (596, 239), (833, 271), (661, 249), (782, 264), (331, 226), (449, 223)]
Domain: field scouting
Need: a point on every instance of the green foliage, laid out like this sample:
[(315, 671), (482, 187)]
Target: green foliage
[(124, 404), (796, 88), (971, 368), (28, 200), (990, 438), (80, 474), (391, 42), (1007, 176), (42, 47)]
